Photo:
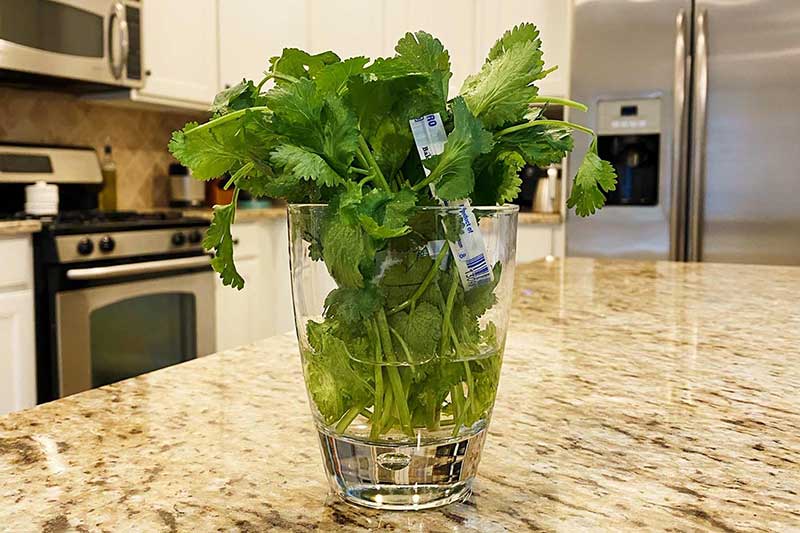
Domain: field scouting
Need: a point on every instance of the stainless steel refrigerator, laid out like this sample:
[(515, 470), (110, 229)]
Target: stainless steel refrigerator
[(697, 105)]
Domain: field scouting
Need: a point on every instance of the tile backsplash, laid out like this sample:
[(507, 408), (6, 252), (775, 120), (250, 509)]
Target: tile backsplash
[(138, 137)]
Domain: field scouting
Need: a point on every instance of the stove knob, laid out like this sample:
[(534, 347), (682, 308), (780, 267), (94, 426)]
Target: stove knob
[(107, 244), (195, 237), (85, 246), (178, 239)]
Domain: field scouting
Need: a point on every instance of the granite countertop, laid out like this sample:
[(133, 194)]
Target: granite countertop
[(19, 227), (634, 396)]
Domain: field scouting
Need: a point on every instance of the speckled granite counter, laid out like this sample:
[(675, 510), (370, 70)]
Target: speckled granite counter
[(634, 396), (10, 228)]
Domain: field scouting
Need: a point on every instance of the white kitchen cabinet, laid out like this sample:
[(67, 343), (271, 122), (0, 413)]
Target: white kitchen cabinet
[(17, 341), (17, 351), (348, 27), (253, 31), (264, 307), (554, 20), (452, 21), (534, 241), (180, 53)]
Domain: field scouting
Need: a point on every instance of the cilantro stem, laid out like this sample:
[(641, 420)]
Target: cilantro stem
[(277, 76), (446, 326), (361, 171), (238, 174), (372, 164), (559, 101), (375, 430), (425, 282), (386, 415), (534, 123), (545, 73), (348, 418), (226, 118), (393, 372)]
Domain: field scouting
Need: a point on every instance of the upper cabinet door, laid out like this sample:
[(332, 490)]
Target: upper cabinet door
[(552, 17), (180, 51), (253, 31), (452, 21), (348, 27)]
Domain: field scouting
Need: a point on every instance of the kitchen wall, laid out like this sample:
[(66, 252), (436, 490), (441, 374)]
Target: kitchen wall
[(138, 137)]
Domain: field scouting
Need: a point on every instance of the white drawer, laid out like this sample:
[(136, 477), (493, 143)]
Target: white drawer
[(245, 238), (16, 255)]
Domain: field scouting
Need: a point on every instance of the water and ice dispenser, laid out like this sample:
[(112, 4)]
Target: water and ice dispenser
[(629, 137)]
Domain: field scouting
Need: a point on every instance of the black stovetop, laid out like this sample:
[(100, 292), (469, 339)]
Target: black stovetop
[(94, 221)]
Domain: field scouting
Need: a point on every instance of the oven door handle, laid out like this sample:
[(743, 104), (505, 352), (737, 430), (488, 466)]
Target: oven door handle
[(146, 267)]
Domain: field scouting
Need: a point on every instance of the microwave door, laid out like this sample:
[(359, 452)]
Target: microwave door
[(112, 332), (85, 40)]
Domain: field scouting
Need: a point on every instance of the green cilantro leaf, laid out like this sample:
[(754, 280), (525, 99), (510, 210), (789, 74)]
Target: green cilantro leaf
[(595, 176), (499, 182), (218, 238), (451, 171), (240, 96), (501, 91), (333, 78), (540, 145), (426, 53), (319, 123), (352, 306), (300, 64), (343, 248), (209, 154), (303, 164), (522, 33)]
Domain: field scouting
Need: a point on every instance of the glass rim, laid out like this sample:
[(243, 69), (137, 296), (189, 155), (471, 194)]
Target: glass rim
[(500, 209)]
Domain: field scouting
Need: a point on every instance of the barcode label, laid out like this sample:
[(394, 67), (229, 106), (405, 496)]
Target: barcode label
[(478, 271), (469, 249)]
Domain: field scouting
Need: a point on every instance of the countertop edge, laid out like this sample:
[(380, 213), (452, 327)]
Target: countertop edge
[(13, 228)]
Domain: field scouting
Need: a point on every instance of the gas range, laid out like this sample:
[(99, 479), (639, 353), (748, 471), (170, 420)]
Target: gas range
[(117, 294), (91, 235)]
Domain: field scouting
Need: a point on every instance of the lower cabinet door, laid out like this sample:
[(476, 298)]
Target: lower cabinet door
[(17, 352), (236, 309)]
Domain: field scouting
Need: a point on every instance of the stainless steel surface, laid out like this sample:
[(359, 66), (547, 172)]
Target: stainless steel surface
[(118, 56), (647, 119), (698, 146), (18, 57), (750, 208), (145, 267), (680, 147), (127, 244), (68, 165), (624, 49), (187, 190), (74, 309)]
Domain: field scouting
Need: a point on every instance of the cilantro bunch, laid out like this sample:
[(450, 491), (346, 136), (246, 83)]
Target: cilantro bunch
[(398, 343)]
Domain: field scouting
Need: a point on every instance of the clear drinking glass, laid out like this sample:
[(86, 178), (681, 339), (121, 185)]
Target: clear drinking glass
[(402, 366)]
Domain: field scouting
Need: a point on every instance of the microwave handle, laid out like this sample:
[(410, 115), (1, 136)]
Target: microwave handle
[(118, 25), (147, 267)]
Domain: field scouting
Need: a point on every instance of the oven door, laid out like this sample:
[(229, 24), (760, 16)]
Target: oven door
[(91, 40), (113, 332)]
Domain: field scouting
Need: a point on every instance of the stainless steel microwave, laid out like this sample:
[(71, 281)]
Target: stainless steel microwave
[(96, 41)]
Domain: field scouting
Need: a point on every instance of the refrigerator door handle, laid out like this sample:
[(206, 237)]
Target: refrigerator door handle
[(680, 148), (697, 176)]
